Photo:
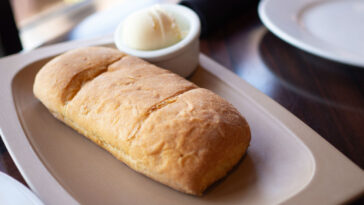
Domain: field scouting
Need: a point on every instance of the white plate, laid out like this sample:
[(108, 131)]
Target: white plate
[(333, 29), (287, 161), (14, 193)]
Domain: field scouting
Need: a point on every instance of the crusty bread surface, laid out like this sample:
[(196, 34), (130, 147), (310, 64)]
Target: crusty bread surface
[(153, 120)]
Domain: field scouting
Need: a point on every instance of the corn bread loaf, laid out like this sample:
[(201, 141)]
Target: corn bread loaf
[(153, 120)]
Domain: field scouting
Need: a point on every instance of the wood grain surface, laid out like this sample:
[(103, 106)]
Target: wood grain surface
[(327, 96)]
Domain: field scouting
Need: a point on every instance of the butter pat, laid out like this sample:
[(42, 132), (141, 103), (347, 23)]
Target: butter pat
[(166, 35), (150, 29)]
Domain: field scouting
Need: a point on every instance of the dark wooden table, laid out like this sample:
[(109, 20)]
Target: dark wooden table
[(327, 96)]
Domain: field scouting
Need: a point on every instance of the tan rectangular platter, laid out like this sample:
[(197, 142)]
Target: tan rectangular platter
[(287, 162)]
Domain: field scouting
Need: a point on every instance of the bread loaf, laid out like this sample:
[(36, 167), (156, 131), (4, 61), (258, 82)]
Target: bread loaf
[(153, 120)]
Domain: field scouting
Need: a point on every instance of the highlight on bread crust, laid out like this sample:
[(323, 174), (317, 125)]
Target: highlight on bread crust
[(153, 120)]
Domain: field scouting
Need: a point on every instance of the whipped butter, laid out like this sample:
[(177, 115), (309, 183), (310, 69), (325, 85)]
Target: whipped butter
[(151, 29)]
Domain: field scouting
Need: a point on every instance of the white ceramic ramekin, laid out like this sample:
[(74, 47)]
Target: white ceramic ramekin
[(180, 58)]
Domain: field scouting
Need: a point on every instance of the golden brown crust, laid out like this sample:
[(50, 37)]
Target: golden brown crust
[(151, 119)]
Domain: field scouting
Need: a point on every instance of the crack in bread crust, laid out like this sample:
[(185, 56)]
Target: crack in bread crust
[(80, 79), (155, 107)]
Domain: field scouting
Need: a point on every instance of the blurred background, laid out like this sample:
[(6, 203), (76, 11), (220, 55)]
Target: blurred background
[(41, 22)]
